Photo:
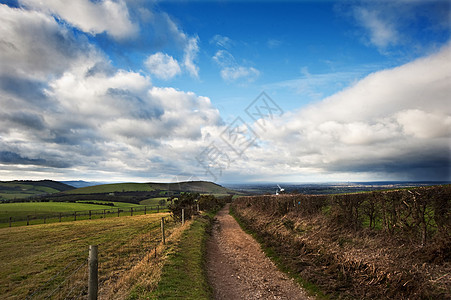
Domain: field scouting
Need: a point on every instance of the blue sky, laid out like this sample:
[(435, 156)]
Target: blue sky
[(159, 91)]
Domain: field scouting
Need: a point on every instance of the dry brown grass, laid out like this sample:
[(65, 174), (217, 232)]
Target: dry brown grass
[(30, 256), (361, 264), (144, 276)]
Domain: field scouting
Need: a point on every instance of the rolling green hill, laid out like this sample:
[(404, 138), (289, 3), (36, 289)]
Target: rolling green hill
[(203, 187), (113, 188), (18, 189)]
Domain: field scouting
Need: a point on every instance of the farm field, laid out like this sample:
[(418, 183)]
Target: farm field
[(31, 255), (22, 209), (153, 201), (23, 189), (51, 212)]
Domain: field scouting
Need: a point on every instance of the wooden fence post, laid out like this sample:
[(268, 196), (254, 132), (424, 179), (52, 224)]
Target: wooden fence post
[(28, 221), (93, 264), (45, 219), (131, 211), (10, 221), (158, 208), (183, 216), (145, 209), (118, 212), (60, 217), (162, 231), (75, 216), (90, 215), (104, 216)]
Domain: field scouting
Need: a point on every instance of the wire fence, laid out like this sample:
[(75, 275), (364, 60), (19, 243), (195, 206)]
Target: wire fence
[(73, 274), (115, 259), (45, 218)]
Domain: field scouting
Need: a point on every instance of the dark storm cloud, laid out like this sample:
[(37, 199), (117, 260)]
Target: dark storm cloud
[(34, 45), (432, 164), (27, 120), (8, 157), (100, 68), (138, 107), (22, 88)]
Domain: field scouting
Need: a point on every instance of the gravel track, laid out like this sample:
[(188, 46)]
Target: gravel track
[(237, 268)]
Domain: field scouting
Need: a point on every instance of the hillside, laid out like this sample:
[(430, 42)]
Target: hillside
[(18, 189), (189, 186)]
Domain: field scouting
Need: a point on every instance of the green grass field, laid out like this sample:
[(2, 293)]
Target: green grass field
[(153, 201), (32, 255), (41, 208), (16, 190), (49, 212)]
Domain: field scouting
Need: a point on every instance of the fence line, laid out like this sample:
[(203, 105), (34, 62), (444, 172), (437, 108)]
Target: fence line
[(80, 215), (51, 279), (65, 280)]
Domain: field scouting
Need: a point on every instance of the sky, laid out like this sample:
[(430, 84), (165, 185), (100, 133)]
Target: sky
[(225, 91)]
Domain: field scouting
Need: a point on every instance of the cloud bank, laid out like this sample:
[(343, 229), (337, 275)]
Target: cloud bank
[(394, 123), (66, 110), (91, 17)]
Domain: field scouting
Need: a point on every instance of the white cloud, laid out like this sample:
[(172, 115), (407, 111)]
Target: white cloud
[(425, 125), (66, 110), (238, 72), (104, 121), (162, 65), (33, 45), (91, 17), (273, 43), (221, 41), (190, 55), (231, 71), (382, 32), (394, 123), (314, 87)]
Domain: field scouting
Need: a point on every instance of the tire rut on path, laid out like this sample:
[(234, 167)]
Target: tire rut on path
[(237, 268)]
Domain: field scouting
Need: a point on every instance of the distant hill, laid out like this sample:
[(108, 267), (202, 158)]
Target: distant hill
[(81, 183), (19, 189), (188, 186)]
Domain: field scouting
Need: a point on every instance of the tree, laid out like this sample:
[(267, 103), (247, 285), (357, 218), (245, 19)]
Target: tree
[(186, 201)]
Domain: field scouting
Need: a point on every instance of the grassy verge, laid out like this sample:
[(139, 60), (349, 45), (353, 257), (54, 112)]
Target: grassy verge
[(311, 288), (183, 275)]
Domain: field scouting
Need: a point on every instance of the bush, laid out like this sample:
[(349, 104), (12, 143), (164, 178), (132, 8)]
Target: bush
[(185, 201)]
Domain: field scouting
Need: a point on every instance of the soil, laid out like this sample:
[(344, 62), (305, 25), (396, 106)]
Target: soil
[(237, 268)]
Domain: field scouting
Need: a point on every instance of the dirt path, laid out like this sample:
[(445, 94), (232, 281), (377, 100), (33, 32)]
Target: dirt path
[(238, 269)]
